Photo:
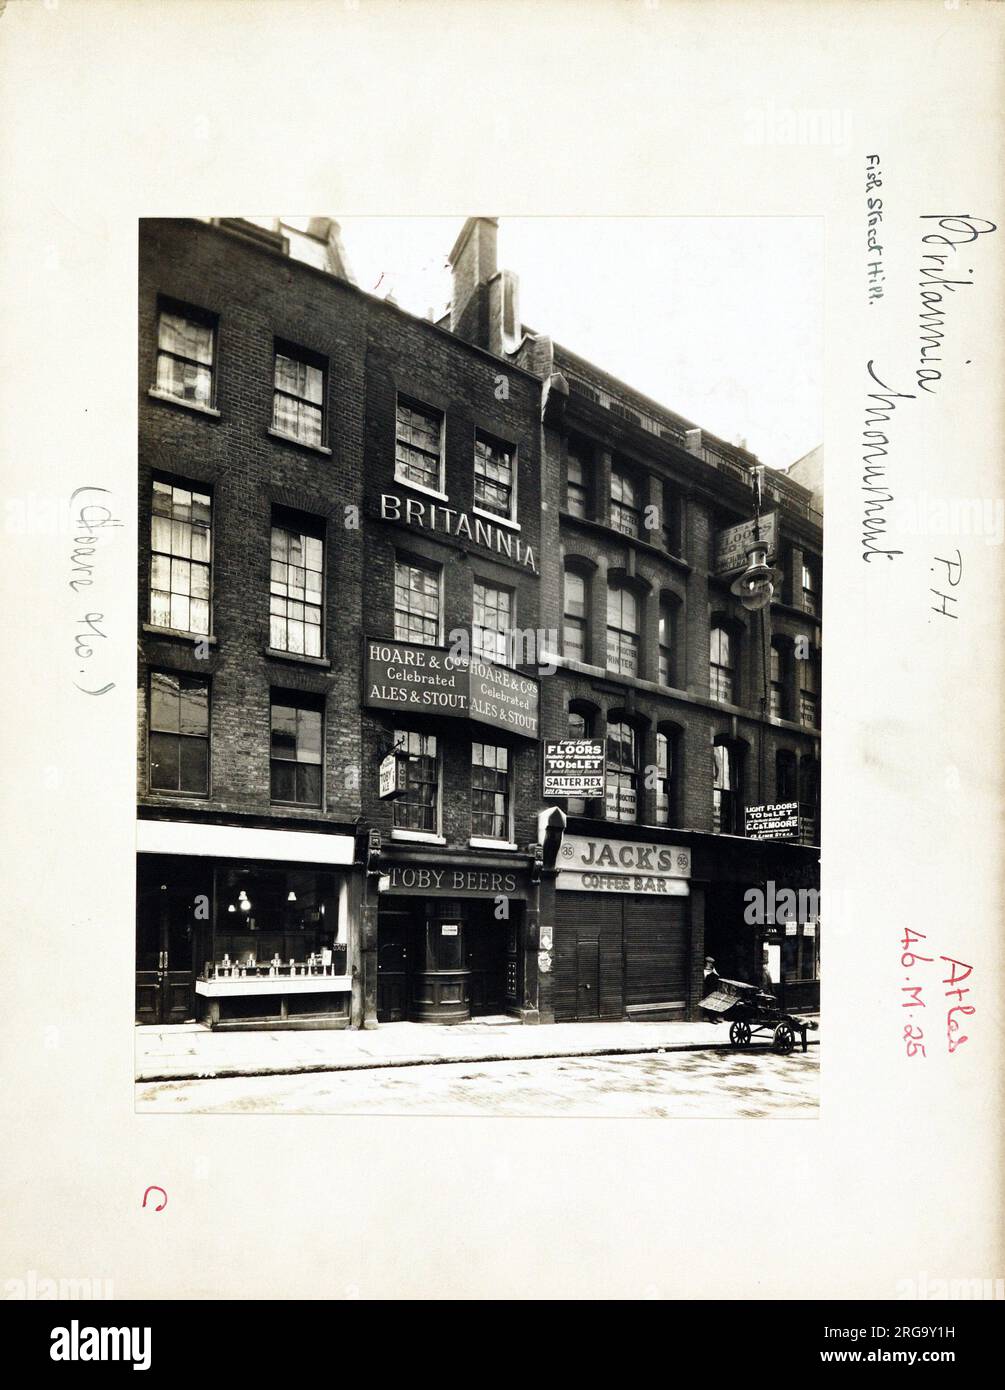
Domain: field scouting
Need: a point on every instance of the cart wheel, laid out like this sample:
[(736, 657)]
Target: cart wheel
[(739, 1033), (785, 1039)]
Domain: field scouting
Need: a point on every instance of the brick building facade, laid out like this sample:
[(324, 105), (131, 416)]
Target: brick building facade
[(380, 561)]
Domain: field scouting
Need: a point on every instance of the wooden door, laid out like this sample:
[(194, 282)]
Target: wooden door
[(587, 979), (392, 966)]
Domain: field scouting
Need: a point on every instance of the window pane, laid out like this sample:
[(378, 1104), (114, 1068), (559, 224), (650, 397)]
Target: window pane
[(284, 781), (198, 616), (309, 735), (308, 784), (160, 534), (185, 338), (200, 543), (194, 772), (284, 732), (164, 705), (179, 612), (164, 762), (194, 708), (160, 608)]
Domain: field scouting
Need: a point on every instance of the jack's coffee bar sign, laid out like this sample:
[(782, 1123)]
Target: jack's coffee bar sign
[(574, 767), (429, 680), (778, 820), (589, 865)]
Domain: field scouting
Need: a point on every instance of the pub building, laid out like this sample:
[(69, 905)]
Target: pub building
[(449, 690)]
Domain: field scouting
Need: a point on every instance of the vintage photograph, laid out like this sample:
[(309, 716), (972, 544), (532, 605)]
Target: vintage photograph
[(479, 680)]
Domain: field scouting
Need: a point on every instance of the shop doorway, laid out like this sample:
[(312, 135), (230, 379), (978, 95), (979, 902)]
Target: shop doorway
[(445, 960), (172, 906)]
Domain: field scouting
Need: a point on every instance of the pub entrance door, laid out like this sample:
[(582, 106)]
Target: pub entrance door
[(392, 963), (172, 900)]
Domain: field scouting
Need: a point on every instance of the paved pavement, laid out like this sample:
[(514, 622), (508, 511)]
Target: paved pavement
[(696, 1084), (182, 1051)]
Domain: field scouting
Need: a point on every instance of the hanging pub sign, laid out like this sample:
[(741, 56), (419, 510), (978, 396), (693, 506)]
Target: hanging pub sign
[(430, 680), (778, 820), (731, 544), (392, 776), (574, 767)]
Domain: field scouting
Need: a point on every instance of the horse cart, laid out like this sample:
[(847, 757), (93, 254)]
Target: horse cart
[(753, 1014)]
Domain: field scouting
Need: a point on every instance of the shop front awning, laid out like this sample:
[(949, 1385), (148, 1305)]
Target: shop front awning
[(242, 842)]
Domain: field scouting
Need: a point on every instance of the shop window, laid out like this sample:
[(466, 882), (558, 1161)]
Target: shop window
[(298, 398), (624, 504), (179, 733), (490, 795), (800, 953), (779, 700), (418, 449), (622, 772), (416, 601), (186, 342), (622, 631), (722, 665), (726, 789), (493, 622), (577, 480), (296, 583), (495, 480), (418, 806), (180, 549), (296, 753), (263, 914), (574, 616)]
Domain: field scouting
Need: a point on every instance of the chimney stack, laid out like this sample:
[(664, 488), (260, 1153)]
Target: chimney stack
[(484, 306)]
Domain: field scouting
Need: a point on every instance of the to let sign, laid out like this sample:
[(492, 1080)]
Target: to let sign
[(777, 820), (731, 544), (574, 767), (430, 680)]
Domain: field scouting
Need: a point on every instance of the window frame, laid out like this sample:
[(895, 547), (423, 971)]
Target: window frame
[(412, 403), (632, 509), (505, 633), (310, 528), (666, 642), (669, 739), (575, 453), (179, 676), (401, 802), (202, 490), (509, 517), (299, 703), (412, 561), (305, 357), (204, 318), (635, 645), (621, 770), (729, 666), (476, 834), (583, 619)]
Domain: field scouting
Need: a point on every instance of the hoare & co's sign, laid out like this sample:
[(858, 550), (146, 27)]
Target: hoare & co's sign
[(590, 864), (430, 680), (450, 521)]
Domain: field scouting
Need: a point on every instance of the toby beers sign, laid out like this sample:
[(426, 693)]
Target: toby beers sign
[(429, 680)]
